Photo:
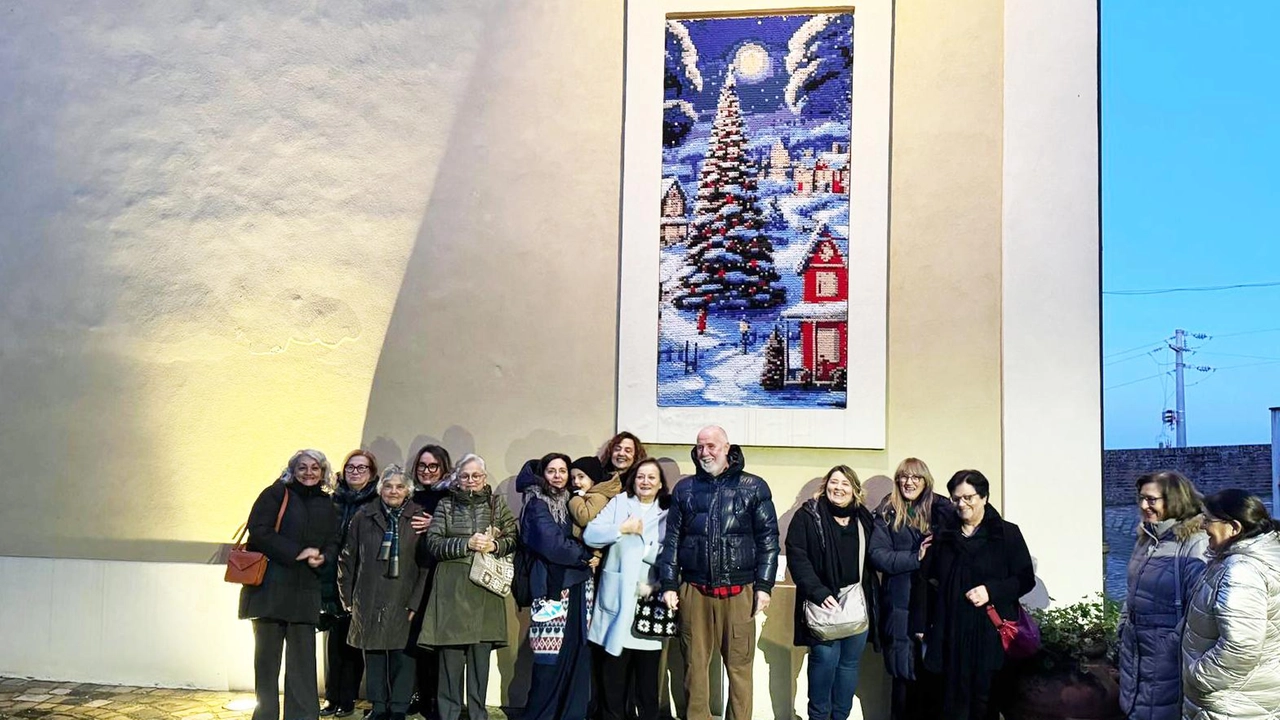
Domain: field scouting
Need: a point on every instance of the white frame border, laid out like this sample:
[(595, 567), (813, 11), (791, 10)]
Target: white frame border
[(862, 423)]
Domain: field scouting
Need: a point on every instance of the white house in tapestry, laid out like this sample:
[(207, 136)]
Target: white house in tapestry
[(824, 172), (675, 213)]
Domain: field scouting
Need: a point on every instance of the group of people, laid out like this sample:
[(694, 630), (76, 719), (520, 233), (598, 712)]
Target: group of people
[(387, 566), (1200, 628)]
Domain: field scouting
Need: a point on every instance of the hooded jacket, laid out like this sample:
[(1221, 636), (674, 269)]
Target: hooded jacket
[(721, 531), (555, 559), (1231, 646), (1151, 623)]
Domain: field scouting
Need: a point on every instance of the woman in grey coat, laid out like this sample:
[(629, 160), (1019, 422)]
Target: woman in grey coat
[(1167, 563), (1231, 647), (380, 585)]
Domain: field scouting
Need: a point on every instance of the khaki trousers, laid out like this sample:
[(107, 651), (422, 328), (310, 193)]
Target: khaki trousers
[(709, 623)]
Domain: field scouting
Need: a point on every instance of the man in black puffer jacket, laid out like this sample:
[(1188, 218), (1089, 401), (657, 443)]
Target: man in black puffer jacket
[(717, 566)]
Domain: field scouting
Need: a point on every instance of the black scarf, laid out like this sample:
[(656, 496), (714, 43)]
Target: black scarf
[(349, 501), (389, 551)]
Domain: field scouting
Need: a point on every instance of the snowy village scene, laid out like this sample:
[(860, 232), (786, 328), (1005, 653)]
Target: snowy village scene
[(754, 229)]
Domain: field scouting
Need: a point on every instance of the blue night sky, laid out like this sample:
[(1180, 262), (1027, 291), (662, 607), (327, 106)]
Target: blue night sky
[(1189, 158), (719, 39)]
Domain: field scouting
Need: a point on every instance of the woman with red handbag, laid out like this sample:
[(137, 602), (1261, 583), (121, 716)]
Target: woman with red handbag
[(978, 561), (299, 537)]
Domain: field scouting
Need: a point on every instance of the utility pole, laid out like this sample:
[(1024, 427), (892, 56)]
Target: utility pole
[(1179, 346)]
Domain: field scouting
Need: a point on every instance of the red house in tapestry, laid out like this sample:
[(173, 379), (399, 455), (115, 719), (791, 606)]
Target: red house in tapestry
[(823, 316)]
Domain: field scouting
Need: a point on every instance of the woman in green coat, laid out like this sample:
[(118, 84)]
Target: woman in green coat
[(462, 621)]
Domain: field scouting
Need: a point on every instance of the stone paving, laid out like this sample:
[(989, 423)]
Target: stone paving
[(22, 698)]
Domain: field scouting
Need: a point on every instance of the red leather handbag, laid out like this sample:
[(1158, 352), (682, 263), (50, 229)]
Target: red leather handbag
[(248, 567), (1020, 638)]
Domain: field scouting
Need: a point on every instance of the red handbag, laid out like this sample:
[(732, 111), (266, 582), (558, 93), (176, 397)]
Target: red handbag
[(248, 567), (1020, 638)]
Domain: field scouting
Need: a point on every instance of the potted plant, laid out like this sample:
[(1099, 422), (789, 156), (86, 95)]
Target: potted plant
[(1074, 675)]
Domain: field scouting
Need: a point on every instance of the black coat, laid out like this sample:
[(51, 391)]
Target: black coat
[(895, 553), (721, 531), (379, 605), (290, 591), (811, 558), (346, 503), (962, 643)]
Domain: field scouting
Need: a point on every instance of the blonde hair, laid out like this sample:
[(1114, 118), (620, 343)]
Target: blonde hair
[(859, 495), (918, 512)]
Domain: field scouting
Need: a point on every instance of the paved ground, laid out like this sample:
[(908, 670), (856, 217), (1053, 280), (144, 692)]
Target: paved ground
[(23, 699)]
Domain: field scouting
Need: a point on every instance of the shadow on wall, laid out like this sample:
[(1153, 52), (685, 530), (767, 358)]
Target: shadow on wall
[(491, 330)]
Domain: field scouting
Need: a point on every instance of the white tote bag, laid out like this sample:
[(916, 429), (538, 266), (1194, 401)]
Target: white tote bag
[(851, 617)]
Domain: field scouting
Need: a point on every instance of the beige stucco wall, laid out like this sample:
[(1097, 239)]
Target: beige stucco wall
[(235, 230)]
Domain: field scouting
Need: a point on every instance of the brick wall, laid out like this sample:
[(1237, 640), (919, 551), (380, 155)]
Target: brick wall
[(1211, 468)]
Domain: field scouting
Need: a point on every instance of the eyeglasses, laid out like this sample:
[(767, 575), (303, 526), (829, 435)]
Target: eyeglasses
[(969, 499), (356, 469), (1150, 499), (428, 467), (478, 477), (912, 478), (1208, 520)]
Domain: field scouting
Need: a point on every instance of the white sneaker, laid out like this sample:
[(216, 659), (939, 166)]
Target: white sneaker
[(549, 610)]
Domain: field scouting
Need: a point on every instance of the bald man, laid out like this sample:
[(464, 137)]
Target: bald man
[(717, 567)]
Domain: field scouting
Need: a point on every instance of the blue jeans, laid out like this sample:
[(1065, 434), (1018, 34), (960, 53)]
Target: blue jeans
[(833, 677)]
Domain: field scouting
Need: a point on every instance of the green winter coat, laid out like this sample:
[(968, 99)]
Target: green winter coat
[(459, 612)]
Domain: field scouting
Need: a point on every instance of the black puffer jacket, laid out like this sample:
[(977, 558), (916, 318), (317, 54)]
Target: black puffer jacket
[(290, 591), (721, 531)]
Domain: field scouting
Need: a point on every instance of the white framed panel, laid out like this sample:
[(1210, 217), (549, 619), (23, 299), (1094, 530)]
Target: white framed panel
[(861, 423)]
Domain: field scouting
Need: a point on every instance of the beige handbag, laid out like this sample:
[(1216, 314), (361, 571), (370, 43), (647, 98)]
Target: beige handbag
[(488, 571), (851, 617)]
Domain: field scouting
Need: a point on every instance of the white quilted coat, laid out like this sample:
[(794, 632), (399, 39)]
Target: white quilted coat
[(1231, 647)]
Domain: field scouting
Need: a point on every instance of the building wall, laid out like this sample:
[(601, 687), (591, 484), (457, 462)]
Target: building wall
[(1211, 468), (235, 231)]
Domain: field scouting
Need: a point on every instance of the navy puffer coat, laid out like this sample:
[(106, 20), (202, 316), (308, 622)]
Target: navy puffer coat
[(896, 554), (721, 531), (1154, 612)]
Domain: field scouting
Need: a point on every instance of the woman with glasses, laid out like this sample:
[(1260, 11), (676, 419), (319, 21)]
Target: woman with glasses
[(561, 585), (379, 583), (430, 467), (299, 536), (905, 523), (1167, 563), (827, 553), (1231, 647), (355, 489), (977, 560), (463, 621)]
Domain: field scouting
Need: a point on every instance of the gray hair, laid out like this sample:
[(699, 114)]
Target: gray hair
[(452, 481), (393, 471), (326, 473)]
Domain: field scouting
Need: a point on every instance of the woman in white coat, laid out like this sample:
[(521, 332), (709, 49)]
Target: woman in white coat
[(1231, 645), (631, 526)]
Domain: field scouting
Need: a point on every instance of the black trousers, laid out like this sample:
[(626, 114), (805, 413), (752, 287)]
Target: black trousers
[(346, 665), (455, 661), (390, 679), (297, 643), (631, 678), (426, 667)]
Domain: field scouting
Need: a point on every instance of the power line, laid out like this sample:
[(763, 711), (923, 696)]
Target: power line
[(1235, 355), (1202, 288), (1154, 345), (1149, 377), (1247, 332)]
